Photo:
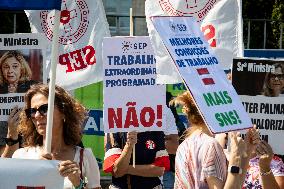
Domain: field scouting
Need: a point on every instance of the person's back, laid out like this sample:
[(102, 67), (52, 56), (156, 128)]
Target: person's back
[(198, 157)]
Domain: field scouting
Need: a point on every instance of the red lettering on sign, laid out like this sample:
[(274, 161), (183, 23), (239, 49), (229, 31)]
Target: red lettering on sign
[(209, 33), (147, 116), (76, 61)]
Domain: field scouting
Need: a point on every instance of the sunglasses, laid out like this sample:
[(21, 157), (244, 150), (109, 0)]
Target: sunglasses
[(30, 112)]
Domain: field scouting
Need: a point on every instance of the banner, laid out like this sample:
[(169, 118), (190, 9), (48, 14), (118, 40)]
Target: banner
[(260, 84), (83, 25), (30, 4), (31, 174), (220, 21), (132, 100), (214, 96), (22, 63)]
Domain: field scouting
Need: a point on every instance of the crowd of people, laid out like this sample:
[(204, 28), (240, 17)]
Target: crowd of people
[(201, 160)]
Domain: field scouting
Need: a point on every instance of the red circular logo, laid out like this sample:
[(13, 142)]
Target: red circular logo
[(150, 144), (73, 21), (196, 8)]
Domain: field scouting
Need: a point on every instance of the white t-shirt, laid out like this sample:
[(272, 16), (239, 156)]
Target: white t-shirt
[(170, 127), (90, 166)]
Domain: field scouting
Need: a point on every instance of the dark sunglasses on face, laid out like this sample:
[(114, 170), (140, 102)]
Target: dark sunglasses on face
[(279, 76), (30, 112)]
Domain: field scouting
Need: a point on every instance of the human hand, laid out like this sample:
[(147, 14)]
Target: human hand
[(71, 170), (265, 153), (222, 139), (45, 156), (131, 138), (237, 147), (252, 139), (13, 122)]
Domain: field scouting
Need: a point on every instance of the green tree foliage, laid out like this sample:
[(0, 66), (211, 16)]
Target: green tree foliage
[(278, 16)]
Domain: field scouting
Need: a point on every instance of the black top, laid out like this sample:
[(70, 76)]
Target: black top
[(148, 144)]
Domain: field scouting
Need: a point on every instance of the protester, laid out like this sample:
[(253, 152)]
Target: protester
[(273, 85), (200, 160), (171, 144), (13, 139), (15, 76), (151, 160), (265, 171), (68, 117)]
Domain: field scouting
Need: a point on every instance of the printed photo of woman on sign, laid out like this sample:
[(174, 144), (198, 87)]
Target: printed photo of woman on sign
[(16, 75), (273, 85)]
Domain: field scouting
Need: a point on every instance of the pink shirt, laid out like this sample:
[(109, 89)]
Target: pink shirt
[(198, 157)]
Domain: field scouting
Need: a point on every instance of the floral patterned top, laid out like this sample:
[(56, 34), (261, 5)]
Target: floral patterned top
[(253, 179)]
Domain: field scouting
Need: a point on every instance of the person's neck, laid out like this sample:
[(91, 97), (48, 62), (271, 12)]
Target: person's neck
[(57, 145), (203, 129)]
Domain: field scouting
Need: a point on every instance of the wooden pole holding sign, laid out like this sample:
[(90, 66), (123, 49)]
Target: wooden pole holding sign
[(131, 34), (54, 60)]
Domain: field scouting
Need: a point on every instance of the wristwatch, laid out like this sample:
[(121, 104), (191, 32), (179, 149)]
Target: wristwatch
[(234, 169), (10, 141)]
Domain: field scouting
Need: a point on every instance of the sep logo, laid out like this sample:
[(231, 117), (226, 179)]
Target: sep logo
[(73, 21), (177, 27), (196, 8)]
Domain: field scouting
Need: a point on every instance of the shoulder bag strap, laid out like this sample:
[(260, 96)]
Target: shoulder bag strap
[(81, 162)]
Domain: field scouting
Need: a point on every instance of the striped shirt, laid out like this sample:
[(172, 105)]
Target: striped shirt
[(198, 157)]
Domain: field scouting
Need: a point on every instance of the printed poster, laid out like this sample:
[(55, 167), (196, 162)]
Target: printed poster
[(260, 85), (214, 96), (132, 100)]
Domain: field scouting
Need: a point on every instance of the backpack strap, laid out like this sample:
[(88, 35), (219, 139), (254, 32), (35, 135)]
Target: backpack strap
[(81, 162)]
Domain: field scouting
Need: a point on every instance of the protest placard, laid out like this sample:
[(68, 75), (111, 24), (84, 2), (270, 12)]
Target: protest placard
[(22, 63), (27, 173), (132, 100), (220, 22), (215, 97), (260, 84)]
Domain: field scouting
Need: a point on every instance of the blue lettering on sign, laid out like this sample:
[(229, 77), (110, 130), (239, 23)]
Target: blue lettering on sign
[(94, 124)]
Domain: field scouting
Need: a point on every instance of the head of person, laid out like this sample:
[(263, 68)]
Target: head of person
[(14, 68), (190, 110), (274, 81), (68, 116)]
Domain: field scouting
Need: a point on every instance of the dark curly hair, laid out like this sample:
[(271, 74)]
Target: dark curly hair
[(75, 114)]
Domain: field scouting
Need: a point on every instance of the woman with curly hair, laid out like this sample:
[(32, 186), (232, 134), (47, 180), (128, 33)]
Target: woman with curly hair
[(200, 161), (273, 85), (68, 118), (15, 73)]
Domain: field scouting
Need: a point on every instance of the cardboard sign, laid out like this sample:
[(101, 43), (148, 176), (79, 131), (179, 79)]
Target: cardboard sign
[(260, 84), (26, 173), (215, 97), (22, 64), (132, 100)]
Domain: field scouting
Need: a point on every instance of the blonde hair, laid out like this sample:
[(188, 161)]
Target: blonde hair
[(190, 110), (26, 72)]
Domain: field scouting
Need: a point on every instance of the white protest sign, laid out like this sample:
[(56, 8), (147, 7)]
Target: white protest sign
[(83, 25), (32, 174), (220, 22), (215, 97), (260, 84), (132, 100), (22, 63)]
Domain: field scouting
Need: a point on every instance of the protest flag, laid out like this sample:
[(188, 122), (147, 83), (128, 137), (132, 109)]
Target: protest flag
[(82, 27), (30, 4), (220, 21)]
